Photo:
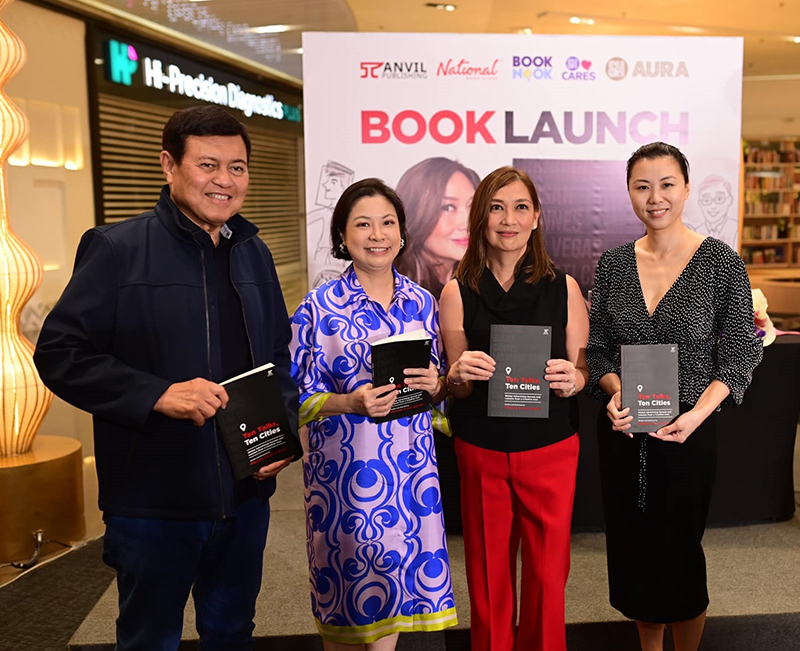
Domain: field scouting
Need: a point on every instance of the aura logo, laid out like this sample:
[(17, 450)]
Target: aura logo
[(660, 69), (122, 61), (616, 69)]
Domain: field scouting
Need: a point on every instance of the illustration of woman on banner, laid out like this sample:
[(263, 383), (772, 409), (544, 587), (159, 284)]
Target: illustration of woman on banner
[(437, 194)]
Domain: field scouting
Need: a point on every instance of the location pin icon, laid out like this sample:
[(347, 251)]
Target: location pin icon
[(508, 370), (243, 427), (640, 387)]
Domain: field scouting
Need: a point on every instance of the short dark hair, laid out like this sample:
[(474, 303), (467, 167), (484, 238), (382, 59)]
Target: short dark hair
[(658, 150), (207, 120), (358, 190)]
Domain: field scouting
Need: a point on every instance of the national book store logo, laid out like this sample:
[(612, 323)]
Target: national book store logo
[(122, 61)]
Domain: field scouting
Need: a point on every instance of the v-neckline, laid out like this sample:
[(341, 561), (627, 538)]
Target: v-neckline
[(689, 262)]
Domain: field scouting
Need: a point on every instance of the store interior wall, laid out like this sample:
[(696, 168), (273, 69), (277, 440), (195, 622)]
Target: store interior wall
[(51, 207)]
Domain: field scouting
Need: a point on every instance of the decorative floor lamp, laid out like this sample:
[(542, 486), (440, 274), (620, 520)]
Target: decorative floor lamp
[(41, 480)]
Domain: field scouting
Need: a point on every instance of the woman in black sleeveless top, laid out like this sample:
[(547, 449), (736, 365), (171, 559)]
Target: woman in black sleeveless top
[(517, 474)]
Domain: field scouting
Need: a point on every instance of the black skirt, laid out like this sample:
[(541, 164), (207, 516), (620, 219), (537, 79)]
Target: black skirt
[(656, 496)]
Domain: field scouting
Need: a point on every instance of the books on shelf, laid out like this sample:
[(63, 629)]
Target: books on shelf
[(254, 425), (766, 255), (763, 183), (777, 208), (766, 232), (390, 356), (785, 152)]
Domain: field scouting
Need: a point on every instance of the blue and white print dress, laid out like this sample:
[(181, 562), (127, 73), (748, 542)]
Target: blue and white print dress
[(377, 553)]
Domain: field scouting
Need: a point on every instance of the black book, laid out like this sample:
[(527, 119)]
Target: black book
[(390, 357), (650, 385), (518, 388), (254, 425)]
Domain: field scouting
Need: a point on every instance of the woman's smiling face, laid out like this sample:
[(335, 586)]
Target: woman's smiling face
[(658, 192)]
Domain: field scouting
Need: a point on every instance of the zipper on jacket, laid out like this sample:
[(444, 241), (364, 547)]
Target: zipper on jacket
[(210, 376), (241, 302)]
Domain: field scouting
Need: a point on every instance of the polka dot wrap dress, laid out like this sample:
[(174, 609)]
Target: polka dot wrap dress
[(656, 493)]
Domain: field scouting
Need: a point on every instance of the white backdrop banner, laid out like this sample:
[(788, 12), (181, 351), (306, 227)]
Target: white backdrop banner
[(430, 114)]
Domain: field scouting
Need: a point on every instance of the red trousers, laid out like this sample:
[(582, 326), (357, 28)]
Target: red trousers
[(507, 498)]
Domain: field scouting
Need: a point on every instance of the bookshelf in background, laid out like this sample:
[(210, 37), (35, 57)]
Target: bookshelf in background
[(771, 222)]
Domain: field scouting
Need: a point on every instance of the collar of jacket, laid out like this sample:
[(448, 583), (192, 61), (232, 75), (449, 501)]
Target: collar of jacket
[(181, 226)]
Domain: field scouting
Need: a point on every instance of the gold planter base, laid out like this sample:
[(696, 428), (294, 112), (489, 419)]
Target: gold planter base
[(42, 489)]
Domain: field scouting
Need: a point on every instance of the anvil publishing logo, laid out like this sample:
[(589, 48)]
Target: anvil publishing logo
[(393, 70)]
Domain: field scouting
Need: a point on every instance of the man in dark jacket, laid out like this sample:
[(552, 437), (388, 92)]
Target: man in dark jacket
[(160, 309)]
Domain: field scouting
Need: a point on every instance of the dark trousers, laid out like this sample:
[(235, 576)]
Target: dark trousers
[(508, 499), (159, 561)]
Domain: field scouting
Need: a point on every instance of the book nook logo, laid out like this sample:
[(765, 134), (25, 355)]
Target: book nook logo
[(530, 68), (578, 70), (617, 69), (122, 61), (393, 70)]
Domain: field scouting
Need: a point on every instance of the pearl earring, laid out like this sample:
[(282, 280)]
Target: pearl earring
[(402, 242), (342, 247)]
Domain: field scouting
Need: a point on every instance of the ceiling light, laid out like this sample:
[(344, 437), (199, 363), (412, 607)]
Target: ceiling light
[(575, 20), (796, 39), (589, 21), (440, 6), (688, 29), (270, 29)]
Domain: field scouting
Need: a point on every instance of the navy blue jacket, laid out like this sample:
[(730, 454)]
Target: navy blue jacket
[(136, 317)]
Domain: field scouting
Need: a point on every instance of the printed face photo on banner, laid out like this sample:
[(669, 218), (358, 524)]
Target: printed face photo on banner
[(567, 110), (437, 195)]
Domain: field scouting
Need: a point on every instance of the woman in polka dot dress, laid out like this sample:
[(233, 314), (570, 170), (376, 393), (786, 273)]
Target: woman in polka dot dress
[(671, 286)]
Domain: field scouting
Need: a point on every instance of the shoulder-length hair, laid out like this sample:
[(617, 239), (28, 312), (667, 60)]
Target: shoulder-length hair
[(371, 187), (421, 188), (470, 270)]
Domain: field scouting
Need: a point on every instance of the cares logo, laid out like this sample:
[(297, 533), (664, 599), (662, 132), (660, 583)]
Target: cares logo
[(122, 61), (532, 67), (578, 70), (393, 70)]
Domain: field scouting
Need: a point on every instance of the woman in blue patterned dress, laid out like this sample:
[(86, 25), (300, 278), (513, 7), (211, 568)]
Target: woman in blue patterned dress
[(377, 553)]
